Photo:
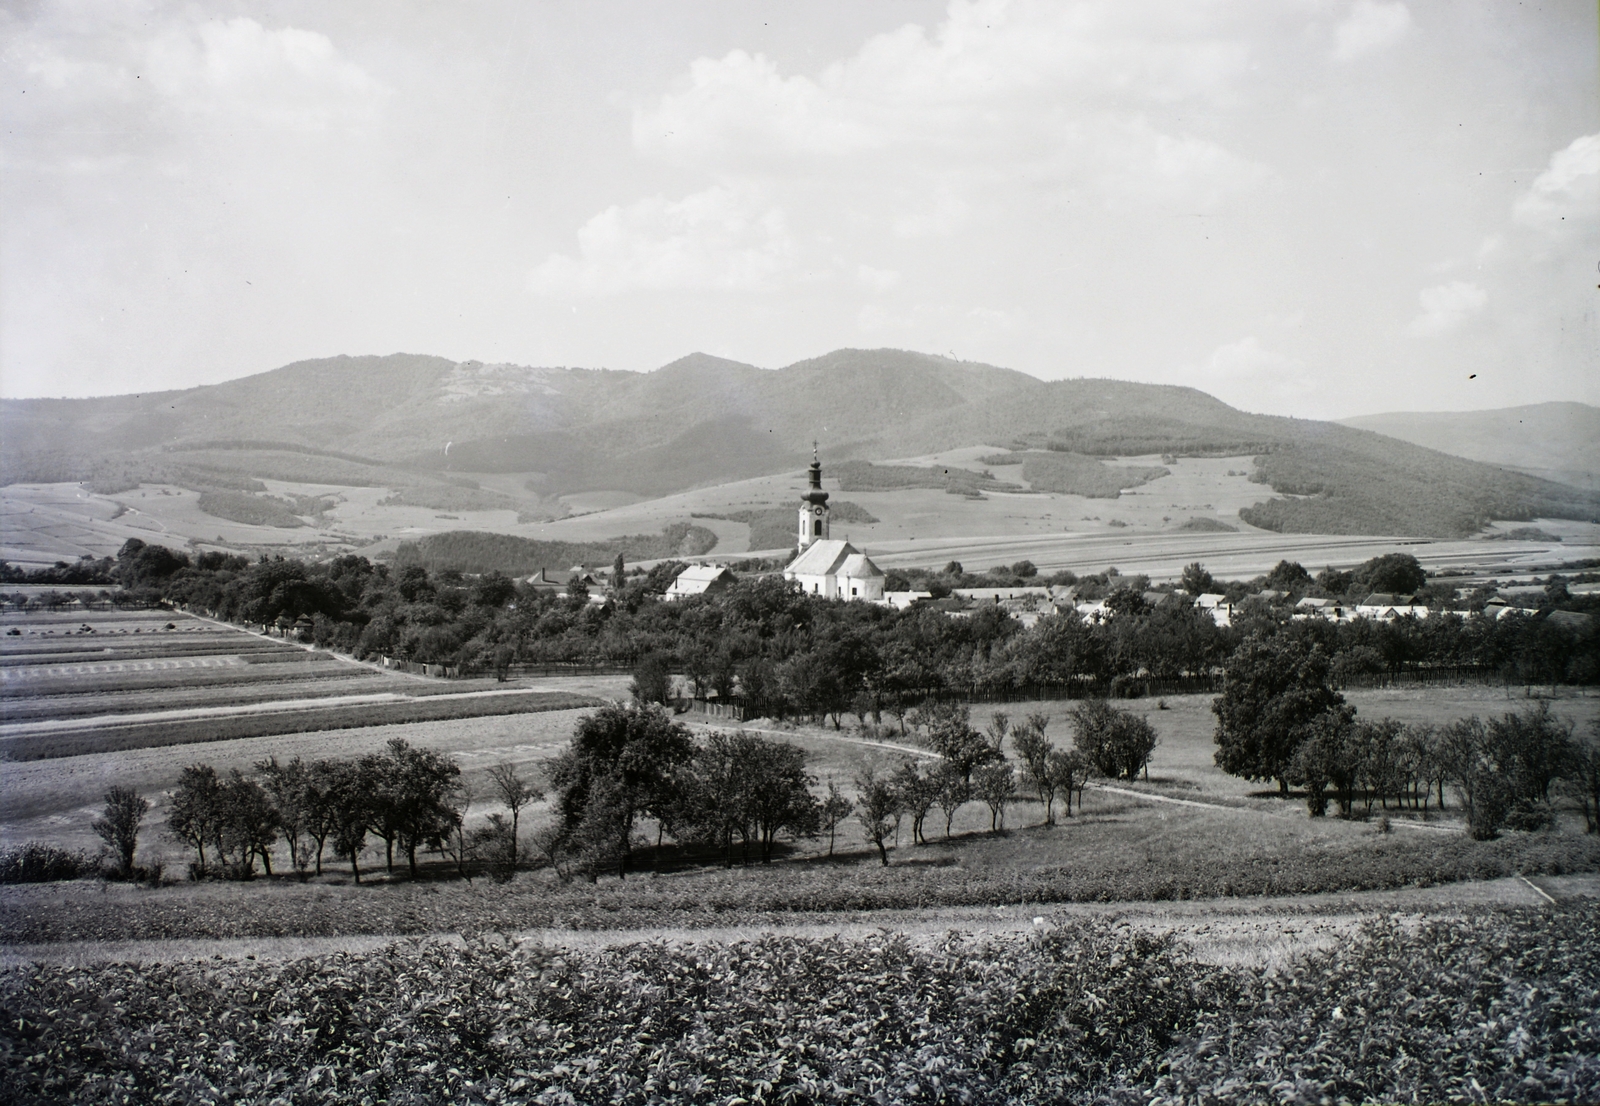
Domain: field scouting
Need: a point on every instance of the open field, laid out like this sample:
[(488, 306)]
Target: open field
[(75, 683)]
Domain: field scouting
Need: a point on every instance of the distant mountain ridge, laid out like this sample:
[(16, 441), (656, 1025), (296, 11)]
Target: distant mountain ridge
[(704, 419), (1559, 441)]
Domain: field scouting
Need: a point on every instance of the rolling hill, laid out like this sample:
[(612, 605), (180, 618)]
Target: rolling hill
[(406, 420), (1559, 441)]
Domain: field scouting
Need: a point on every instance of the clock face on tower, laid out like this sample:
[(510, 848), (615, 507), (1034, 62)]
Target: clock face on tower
[(817, 511)]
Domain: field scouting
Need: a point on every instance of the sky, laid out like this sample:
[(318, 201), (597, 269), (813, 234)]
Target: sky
[(1320, 208)]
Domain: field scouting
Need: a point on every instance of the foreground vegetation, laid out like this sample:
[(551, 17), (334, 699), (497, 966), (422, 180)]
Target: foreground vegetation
[(1495, 1006)]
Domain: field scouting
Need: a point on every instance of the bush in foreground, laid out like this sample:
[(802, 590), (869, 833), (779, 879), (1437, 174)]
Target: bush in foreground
[(35, 862), (1498, 1006)]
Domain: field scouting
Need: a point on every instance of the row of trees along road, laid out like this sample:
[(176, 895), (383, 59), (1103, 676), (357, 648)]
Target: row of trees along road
[(1280, 719)]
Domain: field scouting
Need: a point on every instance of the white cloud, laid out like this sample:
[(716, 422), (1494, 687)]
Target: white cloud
[(1564, 200), (1251, 376), (1445, 307), (1246, 358), (286, 78), (722, 238), (877, 280), (1370, 28), (1040, 91), (237, 72)]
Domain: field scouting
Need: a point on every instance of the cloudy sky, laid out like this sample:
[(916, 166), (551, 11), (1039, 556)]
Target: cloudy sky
[(1311, 207)]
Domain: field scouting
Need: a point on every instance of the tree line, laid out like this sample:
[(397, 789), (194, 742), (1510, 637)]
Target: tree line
[(784, 654), (735, 796), (1281, 719)]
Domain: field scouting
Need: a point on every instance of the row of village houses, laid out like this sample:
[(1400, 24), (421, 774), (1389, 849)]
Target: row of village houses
[(1029, 603)]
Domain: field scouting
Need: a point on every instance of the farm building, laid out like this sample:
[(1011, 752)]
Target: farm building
[(701, 580)]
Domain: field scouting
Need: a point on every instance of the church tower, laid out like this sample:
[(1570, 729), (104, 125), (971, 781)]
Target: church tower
[(813, 506)]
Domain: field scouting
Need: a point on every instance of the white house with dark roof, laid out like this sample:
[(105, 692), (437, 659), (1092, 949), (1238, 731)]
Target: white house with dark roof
[(701, 580)]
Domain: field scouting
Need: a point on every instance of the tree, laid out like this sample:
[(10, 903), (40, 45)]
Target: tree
[(1196, 580), (195, 814), (349, 809), (1330, 756), (515, 793), (950, 734), (619, 572), (620, 765), (1068, 770), (652, 681), (419, 788), (1272, 687), (1481, 780), (952, 792), (1288, 576), (996, 785), (249, 826), (1582, 777), (496, 843), (918, 788), (779, 790), (1034, 749), (118, 827), (290, 789), (1396, 573), (877, 807), (1116, 743), (316, 799), (834, 810)]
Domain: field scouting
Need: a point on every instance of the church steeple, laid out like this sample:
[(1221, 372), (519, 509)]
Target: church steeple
[(813, 505)]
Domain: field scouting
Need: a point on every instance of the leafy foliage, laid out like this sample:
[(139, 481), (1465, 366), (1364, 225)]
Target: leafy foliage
[(1497, 1005), (1272, 689), (37, 862)]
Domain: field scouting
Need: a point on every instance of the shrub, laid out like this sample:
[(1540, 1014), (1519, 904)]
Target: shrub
[(35, 862)]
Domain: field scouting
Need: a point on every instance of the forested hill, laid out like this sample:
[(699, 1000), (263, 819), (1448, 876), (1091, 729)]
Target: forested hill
[(704, 420)]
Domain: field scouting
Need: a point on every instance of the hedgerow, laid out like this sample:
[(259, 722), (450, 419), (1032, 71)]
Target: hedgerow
[(1500, 1006)]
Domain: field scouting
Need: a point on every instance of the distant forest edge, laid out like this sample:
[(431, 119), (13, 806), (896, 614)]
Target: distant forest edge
[(1343, 491), (774, 527), (477, 551), (408, 423)]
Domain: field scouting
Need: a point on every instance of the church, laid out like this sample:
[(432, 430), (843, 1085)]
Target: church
[(824, 567)]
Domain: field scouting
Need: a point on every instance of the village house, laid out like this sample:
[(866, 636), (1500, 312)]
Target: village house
[(705, 579), (1382, 606)]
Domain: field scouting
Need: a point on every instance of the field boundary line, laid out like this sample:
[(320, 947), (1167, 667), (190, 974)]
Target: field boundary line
[(279, 706), (1540, 891)]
